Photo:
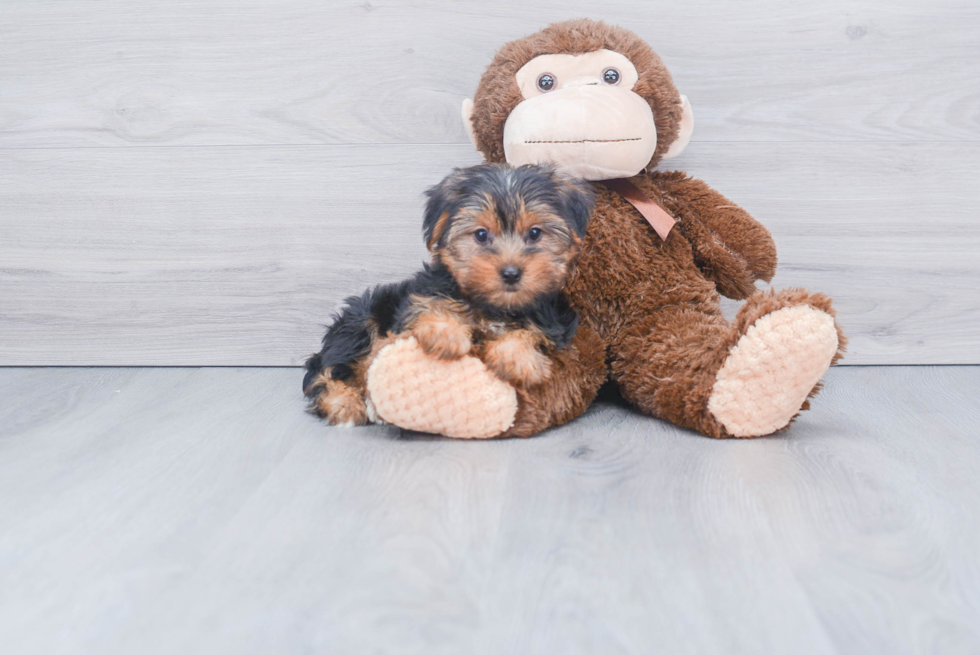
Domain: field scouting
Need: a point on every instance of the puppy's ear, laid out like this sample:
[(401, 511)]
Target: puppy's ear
[(578, 200), (434, 229), (439, 206)]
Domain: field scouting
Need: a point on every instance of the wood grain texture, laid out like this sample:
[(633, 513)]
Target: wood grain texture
[(201, 511), (200, 183), (124, 72), (238, 256)]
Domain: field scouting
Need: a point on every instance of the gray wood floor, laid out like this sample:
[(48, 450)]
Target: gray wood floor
[(200, 510)]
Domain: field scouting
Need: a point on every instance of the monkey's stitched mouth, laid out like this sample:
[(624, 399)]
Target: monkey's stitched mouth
[(589, 141)]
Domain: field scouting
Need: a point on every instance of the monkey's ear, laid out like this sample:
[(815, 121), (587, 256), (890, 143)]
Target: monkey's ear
[(684, 132), (468, 120), (578, 201)]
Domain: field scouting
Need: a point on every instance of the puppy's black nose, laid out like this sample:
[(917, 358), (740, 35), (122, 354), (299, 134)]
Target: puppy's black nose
[(511, 274)]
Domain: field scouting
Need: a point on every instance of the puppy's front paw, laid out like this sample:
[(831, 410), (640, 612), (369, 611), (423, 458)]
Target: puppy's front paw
[(444, 337), (515, 357), (339, 404)]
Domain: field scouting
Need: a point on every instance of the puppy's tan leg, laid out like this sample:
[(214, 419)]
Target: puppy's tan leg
[(337, 402), (517, 358), (441, 327)]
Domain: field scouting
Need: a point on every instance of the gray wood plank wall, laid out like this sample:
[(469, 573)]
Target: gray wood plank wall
[(201, 183)]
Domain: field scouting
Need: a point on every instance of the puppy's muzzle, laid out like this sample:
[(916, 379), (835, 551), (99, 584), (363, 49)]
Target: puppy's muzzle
[(510, 274)]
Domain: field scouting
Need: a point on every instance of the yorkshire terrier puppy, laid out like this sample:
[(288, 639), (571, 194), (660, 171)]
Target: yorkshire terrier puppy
[(502, 241)]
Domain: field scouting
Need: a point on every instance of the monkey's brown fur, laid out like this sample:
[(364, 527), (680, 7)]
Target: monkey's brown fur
[(649, 308)]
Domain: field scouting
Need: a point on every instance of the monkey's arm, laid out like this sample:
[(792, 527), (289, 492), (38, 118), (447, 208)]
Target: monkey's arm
[(731, 248)]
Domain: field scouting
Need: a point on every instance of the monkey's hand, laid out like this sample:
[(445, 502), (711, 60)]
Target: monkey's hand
[(517, 358), (731, 248)]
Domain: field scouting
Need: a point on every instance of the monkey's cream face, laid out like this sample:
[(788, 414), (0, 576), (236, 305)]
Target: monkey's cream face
[(580, 113)]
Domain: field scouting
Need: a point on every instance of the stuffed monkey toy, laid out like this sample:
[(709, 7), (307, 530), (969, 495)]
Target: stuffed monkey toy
[(596, 101)]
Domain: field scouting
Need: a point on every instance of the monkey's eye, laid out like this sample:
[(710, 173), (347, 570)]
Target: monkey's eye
[(610, 76), (534, 234), (546, 82), (481, 235)]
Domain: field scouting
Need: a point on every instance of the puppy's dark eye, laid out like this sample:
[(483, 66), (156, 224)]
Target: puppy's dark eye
[(534, 234), (546, 82), (610, 76), (481, 235)]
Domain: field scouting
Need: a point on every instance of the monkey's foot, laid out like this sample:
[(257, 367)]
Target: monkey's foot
[(776, 365), (457, 398)]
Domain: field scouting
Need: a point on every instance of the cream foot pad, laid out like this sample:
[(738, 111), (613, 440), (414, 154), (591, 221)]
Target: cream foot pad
[(457, 398), (772, 369)]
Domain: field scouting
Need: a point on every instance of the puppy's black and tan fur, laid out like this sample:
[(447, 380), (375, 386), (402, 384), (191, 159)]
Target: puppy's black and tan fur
[(502, 240)]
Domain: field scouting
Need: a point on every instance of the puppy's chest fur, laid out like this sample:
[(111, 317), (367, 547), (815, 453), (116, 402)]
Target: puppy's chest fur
[(487, 329), (555, 328)]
